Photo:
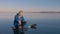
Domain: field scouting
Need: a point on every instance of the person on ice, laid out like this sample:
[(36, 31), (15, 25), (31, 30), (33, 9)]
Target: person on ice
[(19, 21)]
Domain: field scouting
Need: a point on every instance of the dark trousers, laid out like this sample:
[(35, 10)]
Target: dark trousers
[(22, 24)]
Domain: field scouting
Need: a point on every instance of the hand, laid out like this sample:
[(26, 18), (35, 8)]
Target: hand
[(19, 21)]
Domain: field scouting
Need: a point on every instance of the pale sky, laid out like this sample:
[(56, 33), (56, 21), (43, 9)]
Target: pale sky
[(29, 5)]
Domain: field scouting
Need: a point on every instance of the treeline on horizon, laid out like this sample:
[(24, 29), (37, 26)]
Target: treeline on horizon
[(47, 12)]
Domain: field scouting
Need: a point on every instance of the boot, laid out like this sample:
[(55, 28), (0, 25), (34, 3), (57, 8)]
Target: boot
[(33, 26)]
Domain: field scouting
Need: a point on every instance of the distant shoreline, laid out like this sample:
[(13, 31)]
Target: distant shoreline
[(47, 12)]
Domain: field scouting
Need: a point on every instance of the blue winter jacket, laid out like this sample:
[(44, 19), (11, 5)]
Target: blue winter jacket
[(16, 20)]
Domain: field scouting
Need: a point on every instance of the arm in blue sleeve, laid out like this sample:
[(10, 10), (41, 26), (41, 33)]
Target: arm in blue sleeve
[(23, 18), (15, 20)]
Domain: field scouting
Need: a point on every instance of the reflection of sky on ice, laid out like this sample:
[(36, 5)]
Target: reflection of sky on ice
[(46, 22)]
